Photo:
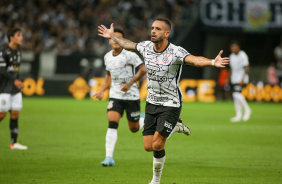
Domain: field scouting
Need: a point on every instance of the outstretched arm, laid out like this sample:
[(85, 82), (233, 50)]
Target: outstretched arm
[(202, 61), (109, 33)]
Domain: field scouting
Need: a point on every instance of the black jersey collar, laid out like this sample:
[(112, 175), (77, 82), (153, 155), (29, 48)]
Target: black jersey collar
[(162, 50)]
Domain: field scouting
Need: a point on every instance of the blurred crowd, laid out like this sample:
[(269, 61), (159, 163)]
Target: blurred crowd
[(70, 26)]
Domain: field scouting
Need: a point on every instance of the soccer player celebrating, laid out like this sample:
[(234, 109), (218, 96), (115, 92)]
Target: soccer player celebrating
[(10, 85), (124, 94), (120, 66), (163, 62), (239, 64)]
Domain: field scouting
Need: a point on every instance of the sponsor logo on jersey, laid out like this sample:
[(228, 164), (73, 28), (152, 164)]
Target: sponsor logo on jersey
[(183, 51), (121, 80), (158, 99), (158, 78), (150, 67), (16, 68)]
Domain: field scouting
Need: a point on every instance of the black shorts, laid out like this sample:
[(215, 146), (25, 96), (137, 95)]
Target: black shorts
[(237, 87), (160, 118), (132, 108)]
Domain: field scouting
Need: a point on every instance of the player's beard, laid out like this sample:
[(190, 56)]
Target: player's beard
[(158, 40)]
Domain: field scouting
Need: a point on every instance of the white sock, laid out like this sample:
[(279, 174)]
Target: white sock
[(243, 102), (158, 165), (141, 123), (237, 104), (111, 139)]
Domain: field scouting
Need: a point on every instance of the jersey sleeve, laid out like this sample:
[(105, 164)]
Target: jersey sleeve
[(245, 59), (182, 54), (106, 63), (141, 47), (135, 60)]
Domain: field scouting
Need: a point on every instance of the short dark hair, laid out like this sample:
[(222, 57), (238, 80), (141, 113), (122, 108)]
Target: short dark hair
[(119, 30), (12, 32), (166, 21), (235, 42)]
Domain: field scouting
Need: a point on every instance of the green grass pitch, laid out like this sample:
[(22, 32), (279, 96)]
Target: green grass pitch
[(66, 143)]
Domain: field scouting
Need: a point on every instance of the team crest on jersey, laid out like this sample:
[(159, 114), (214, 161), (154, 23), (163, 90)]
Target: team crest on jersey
[(121, 61), (166, 58), (110, 104)]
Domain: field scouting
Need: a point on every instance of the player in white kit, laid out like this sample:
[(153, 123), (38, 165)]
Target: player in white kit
[(124, 94), (239, 64), (120, 65), (163, 62)]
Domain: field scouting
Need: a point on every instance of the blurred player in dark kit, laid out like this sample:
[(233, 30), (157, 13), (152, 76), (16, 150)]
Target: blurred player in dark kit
[(10, 85)]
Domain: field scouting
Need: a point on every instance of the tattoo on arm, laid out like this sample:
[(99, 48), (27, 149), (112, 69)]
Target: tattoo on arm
[(127, 44)]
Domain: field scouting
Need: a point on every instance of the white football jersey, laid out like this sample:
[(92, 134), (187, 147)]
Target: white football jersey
[(163, 71), (237, 64), (122, 70)]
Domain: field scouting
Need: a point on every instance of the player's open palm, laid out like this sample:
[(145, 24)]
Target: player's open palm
[(105, 32), (219, 61)]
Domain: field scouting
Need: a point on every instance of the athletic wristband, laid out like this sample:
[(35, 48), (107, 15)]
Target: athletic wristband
[(213, 62)]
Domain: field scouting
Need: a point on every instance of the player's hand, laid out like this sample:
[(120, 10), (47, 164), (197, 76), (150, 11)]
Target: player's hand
[(105, 32), (241, 83), (99, 95), (219, 61), (125, 87), (19, 84)]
